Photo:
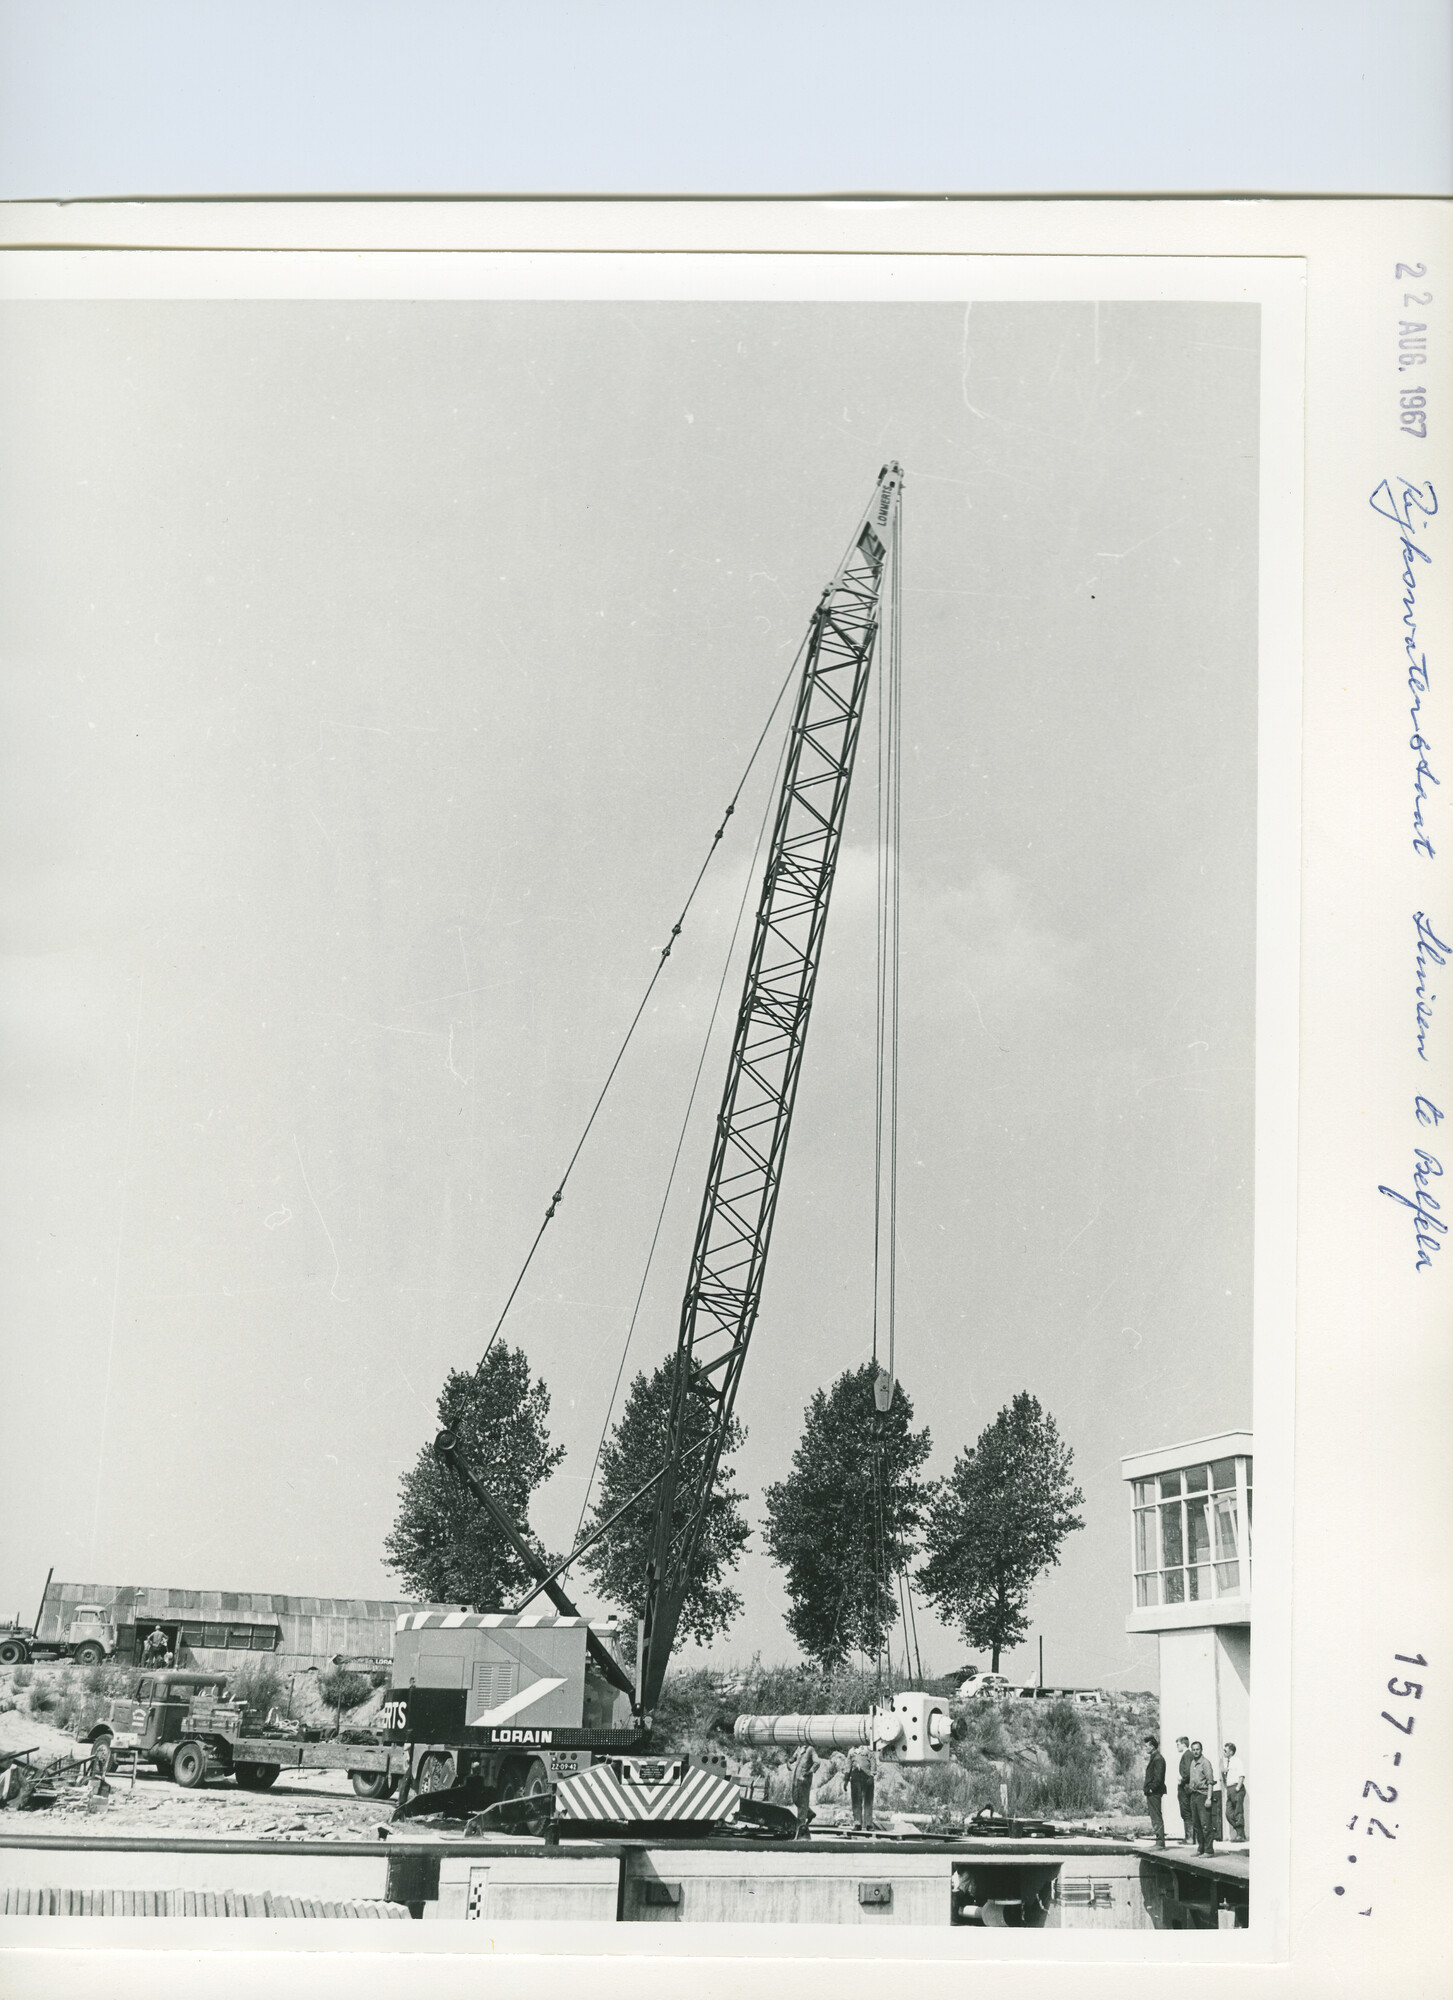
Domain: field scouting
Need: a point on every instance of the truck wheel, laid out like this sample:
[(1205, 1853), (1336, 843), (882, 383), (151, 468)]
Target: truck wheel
[(537, 1785), (189, 1765), (435, 1772), (13, 1652), (256, 1777), (372, 1784), (89, 1655)]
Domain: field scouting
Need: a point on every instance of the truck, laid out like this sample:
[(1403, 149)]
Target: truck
[(88, 1639), (182, 1723)]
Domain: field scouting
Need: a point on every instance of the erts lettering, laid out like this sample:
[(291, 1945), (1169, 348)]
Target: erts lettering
[(393, 1715)]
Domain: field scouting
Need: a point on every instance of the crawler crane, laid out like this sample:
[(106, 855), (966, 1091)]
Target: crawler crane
[(449, 1669)]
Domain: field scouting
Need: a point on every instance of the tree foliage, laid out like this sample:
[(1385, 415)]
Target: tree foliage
[(635, 1449), (995, 1524), (842, 1527), (443, 1545)]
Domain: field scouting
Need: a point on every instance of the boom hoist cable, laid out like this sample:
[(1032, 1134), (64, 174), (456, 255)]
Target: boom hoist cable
[(724, 1288), (635, 1021)]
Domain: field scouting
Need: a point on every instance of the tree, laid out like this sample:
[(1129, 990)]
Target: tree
[(995, 1524), (443, 1545), (635, 1449), (840, 1526)]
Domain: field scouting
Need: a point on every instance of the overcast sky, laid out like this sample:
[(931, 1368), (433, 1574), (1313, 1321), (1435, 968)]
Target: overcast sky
[(375, 678)]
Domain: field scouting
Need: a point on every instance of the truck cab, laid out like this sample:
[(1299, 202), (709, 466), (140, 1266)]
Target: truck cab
[(91, 1635), (151, 1721)]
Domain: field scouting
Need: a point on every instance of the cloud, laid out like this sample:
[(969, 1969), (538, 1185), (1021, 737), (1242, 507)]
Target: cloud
[(973, 955)]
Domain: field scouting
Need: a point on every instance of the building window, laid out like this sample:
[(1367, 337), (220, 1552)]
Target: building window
[(264, 1638), (239, 1638), (216, 1635), (193, 1635), (1190, 1543)]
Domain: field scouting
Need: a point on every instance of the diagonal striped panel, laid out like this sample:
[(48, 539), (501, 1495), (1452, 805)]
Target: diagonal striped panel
[(599, 1793)]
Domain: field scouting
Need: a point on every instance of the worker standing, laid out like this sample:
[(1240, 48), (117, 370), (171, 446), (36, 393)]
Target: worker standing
[(862, 1780), (1202, 1781), (803, 1766), (1233, 1793), (1183, 1789), (1155, 1789)]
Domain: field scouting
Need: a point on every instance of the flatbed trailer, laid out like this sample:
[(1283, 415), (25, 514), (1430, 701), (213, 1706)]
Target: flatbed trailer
[(333, 1756)]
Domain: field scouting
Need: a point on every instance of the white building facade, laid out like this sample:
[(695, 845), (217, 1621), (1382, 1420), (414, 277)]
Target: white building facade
[(1190, 1552)]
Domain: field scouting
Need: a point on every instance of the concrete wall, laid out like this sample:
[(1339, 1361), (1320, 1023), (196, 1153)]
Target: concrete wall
[(1188, 1695), (1205, 1687), (787, 1888), (1233, 1688), (104, 1866), (540, 1888), (1100, 1893)]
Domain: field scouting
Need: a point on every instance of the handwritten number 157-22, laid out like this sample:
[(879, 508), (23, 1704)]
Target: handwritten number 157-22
[(1400, 1690)]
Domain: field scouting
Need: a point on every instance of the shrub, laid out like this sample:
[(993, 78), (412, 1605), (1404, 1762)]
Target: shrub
[(24, 1675), (99, 1687), (380, 1677), (259, 1685), (342, 1687), (1069, 1782), (1063, 1790), (43, 1699)]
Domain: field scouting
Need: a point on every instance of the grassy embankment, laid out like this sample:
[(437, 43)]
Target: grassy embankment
[(1060, 1760)]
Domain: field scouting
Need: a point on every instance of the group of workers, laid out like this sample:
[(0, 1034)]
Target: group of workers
[(157, 1650), (1196, 1786), (862, 1781)]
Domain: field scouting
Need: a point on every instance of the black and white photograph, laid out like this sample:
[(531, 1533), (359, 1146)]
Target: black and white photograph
[(636, 1064)]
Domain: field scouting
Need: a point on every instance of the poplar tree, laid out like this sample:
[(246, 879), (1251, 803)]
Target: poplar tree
[(635, 1449), (443, 1546), (996, 1523), (841, 1526)]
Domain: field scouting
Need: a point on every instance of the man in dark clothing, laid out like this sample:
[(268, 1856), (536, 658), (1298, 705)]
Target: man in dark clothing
[(1183, 1788), (1202, 1781), (803, 1766), (862, 1779), (1155, 1789)]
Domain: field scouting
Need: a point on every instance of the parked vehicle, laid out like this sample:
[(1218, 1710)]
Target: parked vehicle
[(990, 1687), (183, 1724), (89, 1639), (153, 1721)]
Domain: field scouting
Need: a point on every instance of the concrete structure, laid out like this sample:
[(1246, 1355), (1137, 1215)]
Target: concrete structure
[(215, 1627), (1190, 1540), (1052, 1884)]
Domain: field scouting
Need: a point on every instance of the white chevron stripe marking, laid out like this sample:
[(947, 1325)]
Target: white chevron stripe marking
[(526, 1698)]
